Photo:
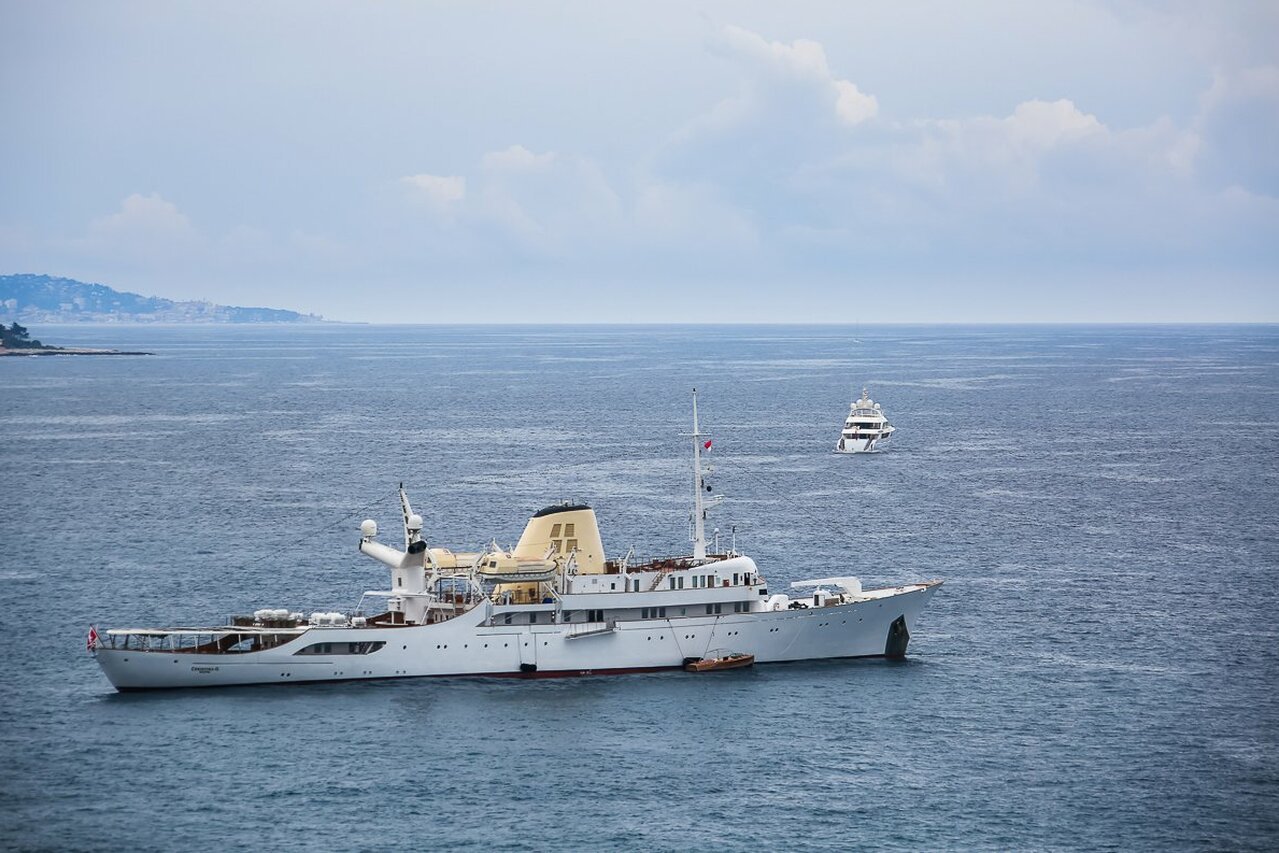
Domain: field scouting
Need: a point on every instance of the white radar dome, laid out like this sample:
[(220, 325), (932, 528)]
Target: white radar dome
[(368, 528), (415, 522)]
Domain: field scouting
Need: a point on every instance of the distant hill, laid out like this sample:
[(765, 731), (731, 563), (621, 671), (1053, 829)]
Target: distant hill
[(46, 299)]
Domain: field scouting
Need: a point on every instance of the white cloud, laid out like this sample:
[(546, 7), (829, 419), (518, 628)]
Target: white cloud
[(802, 63), (143, 217), (439, 190), (517, 158), (851, 106), (801, 58), (1238, 125)]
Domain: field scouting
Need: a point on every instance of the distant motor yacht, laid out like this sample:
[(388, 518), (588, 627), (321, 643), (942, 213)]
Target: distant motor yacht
[(866, 429), (553, 605)]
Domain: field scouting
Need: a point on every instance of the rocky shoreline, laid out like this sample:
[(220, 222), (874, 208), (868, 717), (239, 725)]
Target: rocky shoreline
[(67, 351)]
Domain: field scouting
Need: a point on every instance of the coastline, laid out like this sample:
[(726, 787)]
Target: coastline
[(67, 351)]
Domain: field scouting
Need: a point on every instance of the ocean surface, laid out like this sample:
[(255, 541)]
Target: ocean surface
[(1100, 670)]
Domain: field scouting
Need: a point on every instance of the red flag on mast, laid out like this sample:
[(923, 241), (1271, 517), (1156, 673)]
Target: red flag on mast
[(92, 639), (707, 445)]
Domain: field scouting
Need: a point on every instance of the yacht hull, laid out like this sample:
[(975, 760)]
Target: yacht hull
[(862, 445), (469, 645)]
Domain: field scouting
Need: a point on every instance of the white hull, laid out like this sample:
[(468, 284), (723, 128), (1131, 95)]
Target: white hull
[(468, 645), (862, 445)]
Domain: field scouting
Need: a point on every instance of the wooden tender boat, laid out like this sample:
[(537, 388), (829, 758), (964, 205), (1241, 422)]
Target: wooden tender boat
[(722, 660)]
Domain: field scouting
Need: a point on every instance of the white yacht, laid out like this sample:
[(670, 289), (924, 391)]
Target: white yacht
[(866, 429), (552, 605)]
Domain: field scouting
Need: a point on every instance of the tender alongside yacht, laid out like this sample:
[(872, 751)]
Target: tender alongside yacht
[(552, 605), (866, 429)]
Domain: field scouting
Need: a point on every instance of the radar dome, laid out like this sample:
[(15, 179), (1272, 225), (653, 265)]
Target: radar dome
[(368, 528), (415, 522)]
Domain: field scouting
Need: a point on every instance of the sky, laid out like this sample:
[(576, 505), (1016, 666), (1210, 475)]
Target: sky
[(694, 162)]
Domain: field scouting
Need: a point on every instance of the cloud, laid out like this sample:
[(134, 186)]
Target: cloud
[(438, 190), (779, 69), (517, 158), (1238, 126), (143, 217), (533, 204), (146, 231), (851, 106)]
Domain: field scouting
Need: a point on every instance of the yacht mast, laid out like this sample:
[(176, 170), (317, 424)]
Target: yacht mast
[(699, 513)]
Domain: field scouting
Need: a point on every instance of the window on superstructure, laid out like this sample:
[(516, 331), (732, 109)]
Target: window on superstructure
[(570, 529), (341, 648), (532, 618), (681, 583), (670, 583), (570, 545), (555, 531), (507, 619), (661, 611)]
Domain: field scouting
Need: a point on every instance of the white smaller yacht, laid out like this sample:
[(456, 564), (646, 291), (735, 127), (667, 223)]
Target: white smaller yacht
[(865, 429)]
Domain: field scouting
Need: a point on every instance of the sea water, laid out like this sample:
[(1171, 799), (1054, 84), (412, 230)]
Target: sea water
[(1099, 670)]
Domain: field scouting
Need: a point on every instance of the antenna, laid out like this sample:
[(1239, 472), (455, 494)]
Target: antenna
[(699, 513), (700, 503)]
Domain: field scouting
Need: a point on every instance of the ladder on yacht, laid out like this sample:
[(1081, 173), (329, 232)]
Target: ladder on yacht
[(657, 581)]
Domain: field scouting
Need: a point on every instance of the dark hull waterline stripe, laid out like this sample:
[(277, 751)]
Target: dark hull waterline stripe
[(550, 673)]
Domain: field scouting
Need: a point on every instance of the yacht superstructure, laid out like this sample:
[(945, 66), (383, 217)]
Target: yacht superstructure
[(866, 429), (551, 605)]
